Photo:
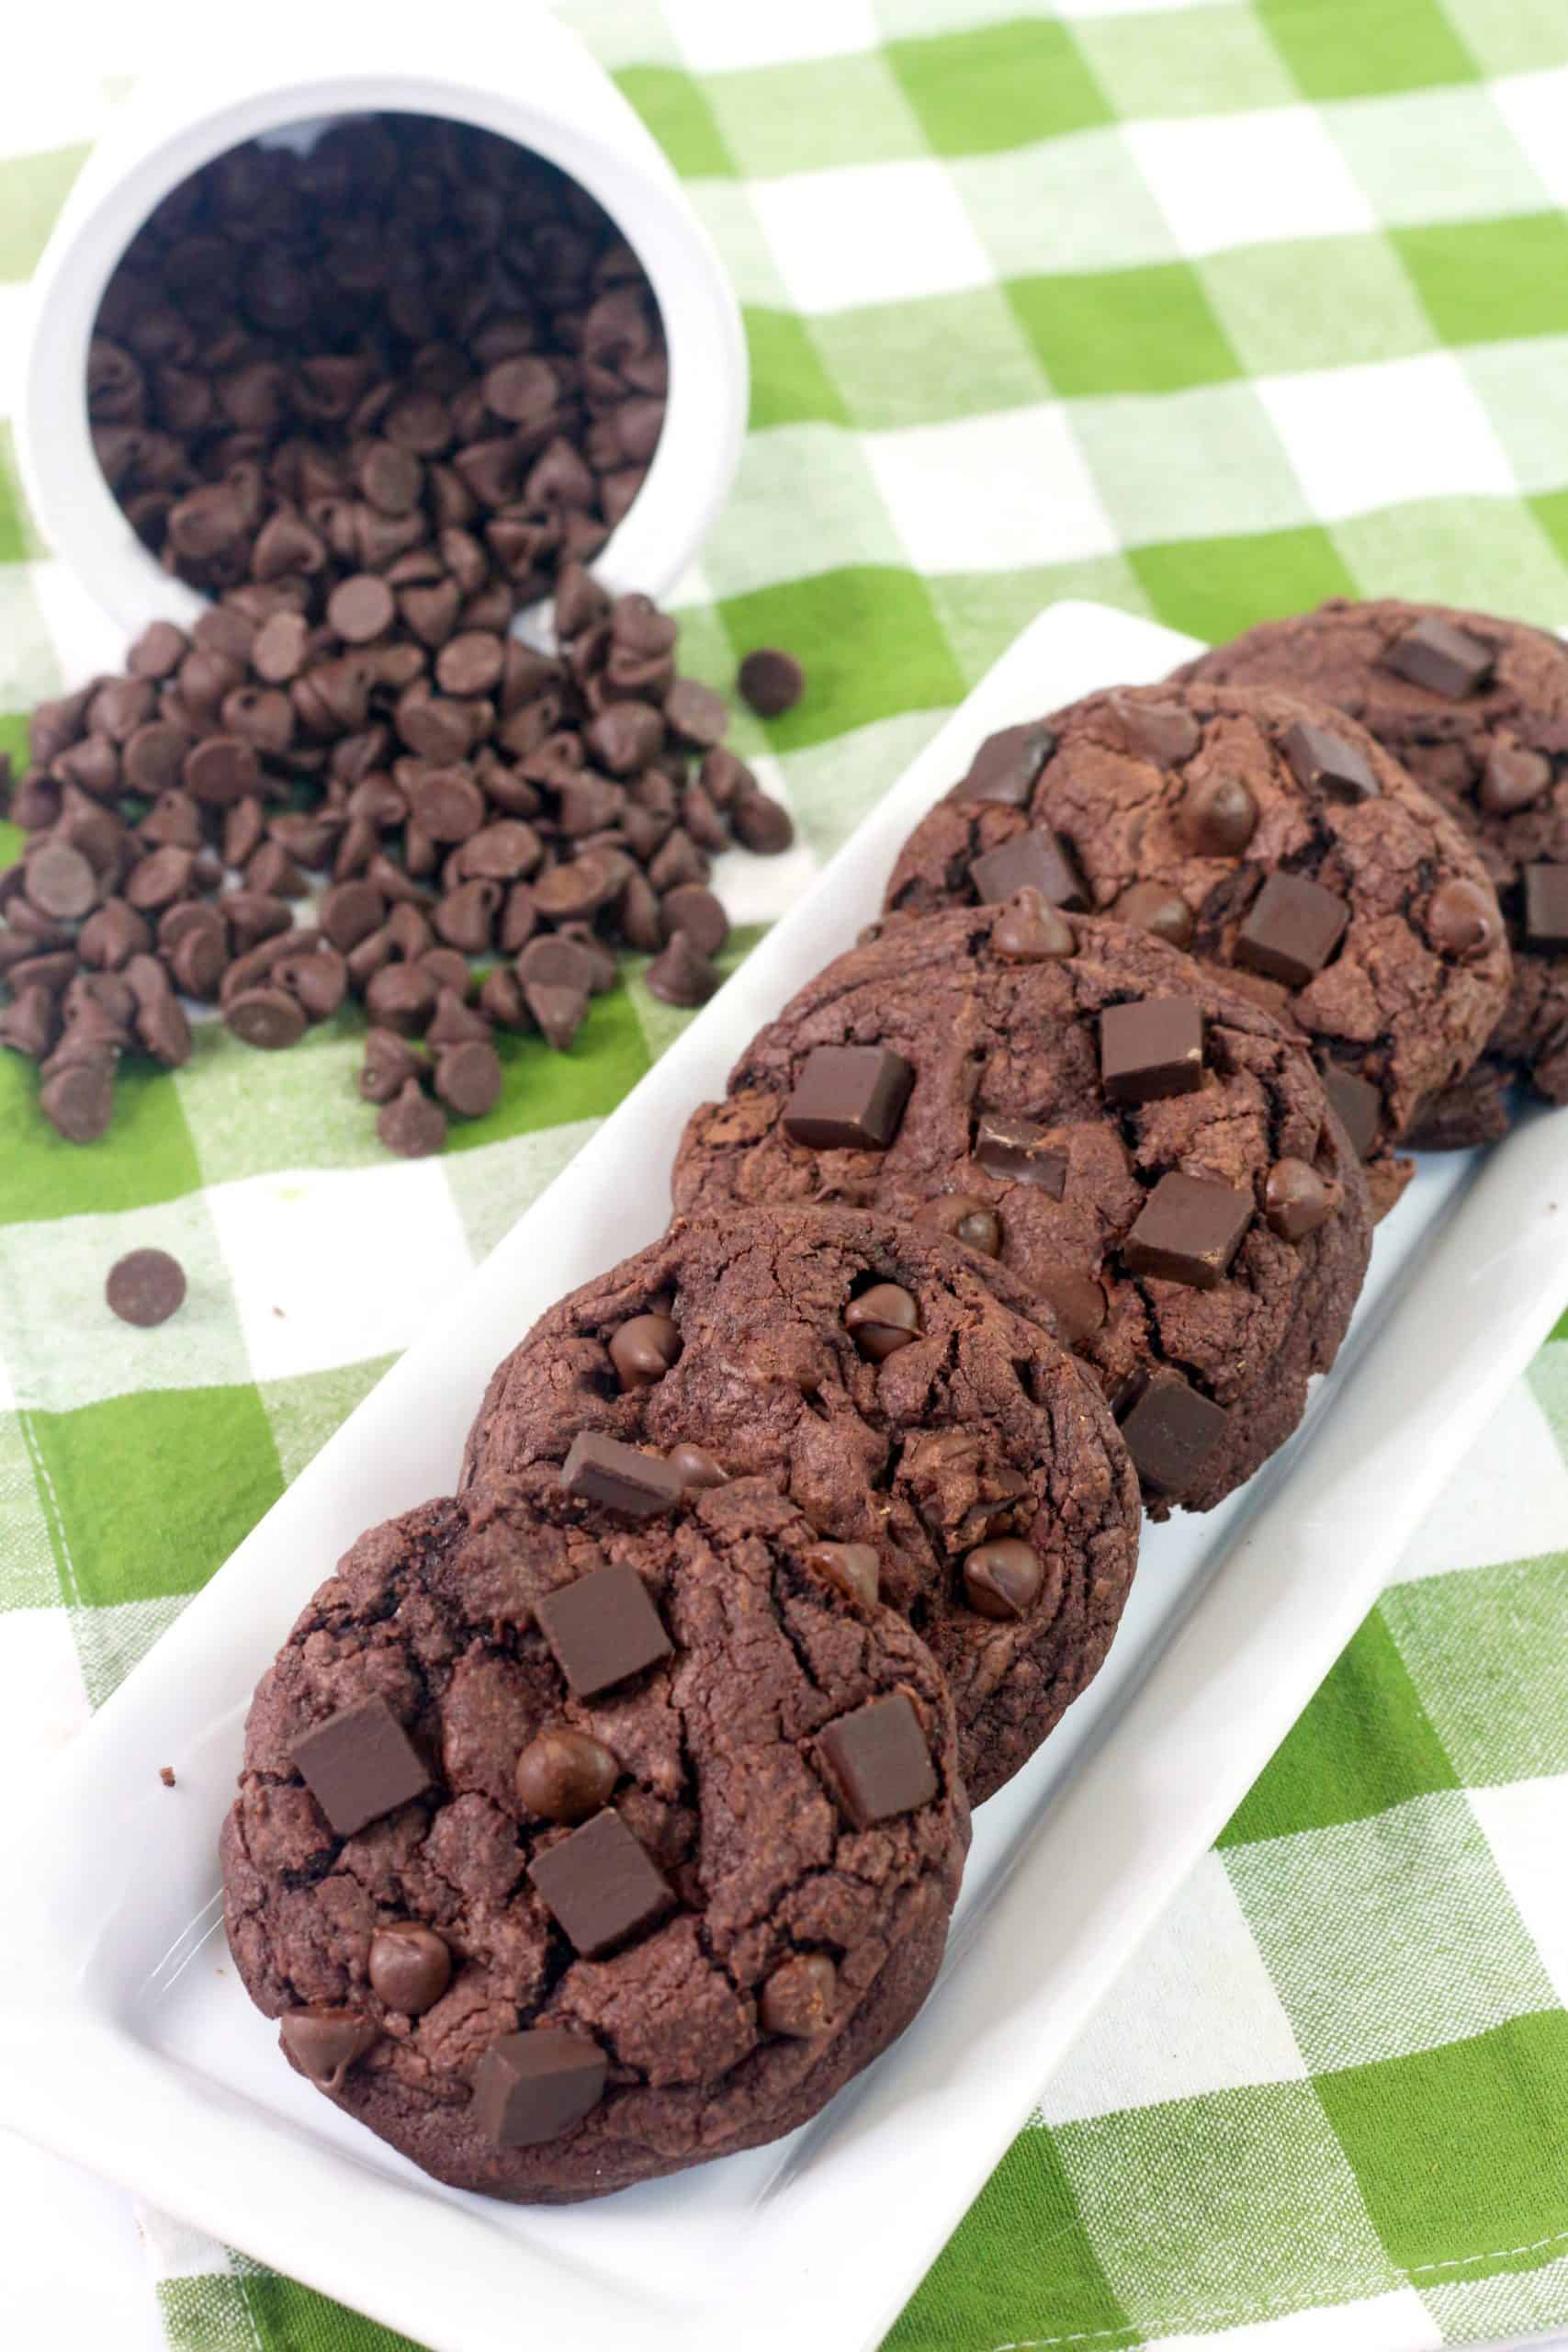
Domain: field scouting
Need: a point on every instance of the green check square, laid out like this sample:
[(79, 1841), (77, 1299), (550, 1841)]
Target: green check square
[(827, 623), (1459, 2150), (32, 189), (133, 1516), (814, 114), (146, 1156), (790, 384), (999, 85), (1551, 513), (927, 362), (1517, 37), (1490, 555), (1485, 1647), (1198, 60), (977, 2292), (1346, 52), (676, 111), (1316, 303), (264, 2313), (1124, 330), (1364, 1742), (1215, 588), (1485, 280)]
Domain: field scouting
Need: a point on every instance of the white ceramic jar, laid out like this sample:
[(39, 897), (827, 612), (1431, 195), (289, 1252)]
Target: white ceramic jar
[(511, 69)]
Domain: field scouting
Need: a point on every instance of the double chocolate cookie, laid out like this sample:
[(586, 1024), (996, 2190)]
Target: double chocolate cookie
[(1150, 1154), (573, 1848), (1264, 833), (915, 1409), (1476, 708)]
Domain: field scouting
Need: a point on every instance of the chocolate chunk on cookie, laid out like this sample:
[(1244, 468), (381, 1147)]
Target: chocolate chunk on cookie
[(613, 1933), (1271, 835), (1110, 1126), (906, 1396)]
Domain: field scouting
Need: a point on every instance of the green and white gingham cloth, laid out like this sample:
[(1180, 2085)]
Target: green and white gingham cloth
[(1209, 310)]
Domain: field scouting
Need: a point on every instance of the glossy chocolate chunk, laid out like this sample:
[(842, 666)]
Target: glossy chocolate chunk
[(1151, 1048), (1513, 778), (1007, 766), (1015, 1149), (695, 1469), (1292, 928), (878, 1762), (1188, 1231), (1295, 1199), (1546, 906), (1444, 658), (600, 1469), (967, 1218), (643, 1350), (1219, 815), (410, 1967), (565, 1775), (1149, 906), (600, 1886), (1039, 860), (1170, 1430), (1002, 1579), (1462, 919), (883, 1319), (854, 1568), (1323, 762), (1357, 1104), (849, 1098), (603, 1629), (324, 2044), (798, 1997), (1160, 732), (359, 1764), (1030, 931), (533, 2087)]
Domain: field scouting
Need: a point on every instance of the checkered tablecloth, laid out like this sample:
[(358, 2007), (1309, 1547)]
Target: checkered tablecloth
[(1208, 311)]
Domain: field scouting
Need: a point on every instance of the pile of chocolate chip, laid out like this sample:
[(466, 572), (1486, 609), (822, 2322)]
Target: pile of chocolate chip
[(374, 407)]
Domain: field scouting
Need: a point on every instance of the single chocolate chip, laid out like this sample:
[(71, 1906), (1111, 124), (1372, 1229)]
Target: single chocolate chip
[(324, 2044), (853, 1569), (968, 1218), (601, 1469), (221, 770), (265, 1017), (882, 1320), (391, 478), (60, 882), (1188, 1231), (681, 974), (360, 608), (1039, 860), (849, 1098), (1002, 1579), (29, 1023), (1171, 1431), (145, 1288), (799, 1998), (1546, 906), (469, 1078), (771, 681), (1149, 906), (644, 1350), (466, 917), (501, 852), (695, 1469), (877, 1761), (350, 912), (77, 1099), (1160, 732), (556, 962), (1028, 930), (1151, 1049), (1008, 765), (1219, 815), (1295, 1199), (277, 656), (533, 2087), (565, 1775), (694, 910), (359, 1765), (600, 1886), (1357, 1105), (410, 1125), (1441, 657), (389, 1063), (1462, 919), (1323, 762), (154, 757), (560, 1012), (761, 824), (1291, 929), (456, 1022), (1075, 1300), (1016, 1149), (401, 997), (1513, 779), (410, 1967)]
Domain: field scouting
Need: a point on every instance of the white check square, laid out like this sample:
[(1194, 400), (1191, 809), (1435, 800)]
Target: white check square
[(1526, 1824), (1397, 2322), (990, 493), (1247, 179), (1507, 1500), (870, 232), (1363, 438), (1535, 106), (716, 36)]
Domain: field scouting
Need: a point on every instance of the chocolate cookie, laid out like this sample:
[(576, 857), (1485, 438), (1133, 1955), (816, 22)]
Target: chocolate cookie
[(1270, 835), (572, 1850), (900, 1398), (1476, 708), (1149, 1153)]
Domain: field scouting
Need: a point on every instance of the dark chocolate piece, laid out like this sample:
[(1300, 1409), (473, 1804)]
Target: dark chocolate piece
[(1170, 1428), (1014, 1149), (878, 1762), (1546, 906), (1357, 1104), (533, 2087), (1441, 657), (602, 1470), (601, 1885), (1039, 860), (849, 1098), (1188, 1231), (1292, 928), (360, 1764), (1007, 765), (1151, 1049), (603, 1629), (1325, 761)]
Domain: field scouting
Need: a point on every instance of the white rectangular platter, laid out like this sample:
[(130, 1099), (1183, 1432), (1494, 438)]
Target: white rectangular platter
[(125, 2041)]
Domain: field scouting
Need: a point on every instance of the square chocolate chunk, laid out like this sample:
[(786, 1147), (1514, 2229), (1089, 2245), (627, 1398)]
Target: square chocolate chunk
[(1546, 906), (1188, 1231), (878, 1762), (360, 1764), (1040, 860), (1323, 762), (1292, 928), (1151, 1049), (1357, 1104), (601, 1885), (1443, 659), (1007, 766), (849, 1098), (533, 2087), (1171, 1431), (1013, 1148), (602, 1470), (603, 1630)]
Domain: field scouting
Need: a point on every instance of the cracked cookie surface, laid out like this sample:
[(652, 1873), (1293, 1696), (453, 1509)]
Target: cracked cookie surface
[(790, 1945), (1489, 739), (1184, 805), (999, 1045), (977, 1429)]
